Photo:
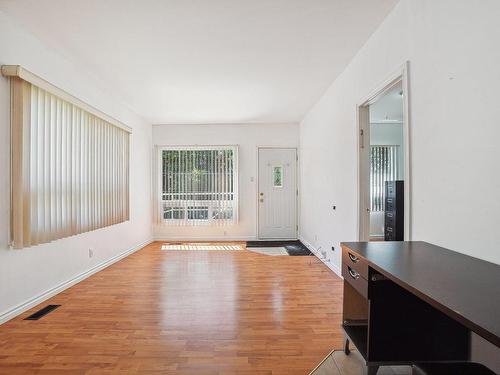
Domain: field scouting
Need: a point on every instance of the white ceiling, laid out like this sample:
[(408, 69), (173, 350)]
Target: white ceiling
[(208, 61)]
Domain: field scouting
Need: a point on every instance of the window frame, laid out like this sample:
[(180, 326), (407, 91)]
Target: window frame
[(159, 188), (66, 212)]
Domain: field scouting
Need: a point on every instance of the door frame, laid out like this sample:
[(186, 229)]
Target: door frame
[(295, 148), (362, 122)]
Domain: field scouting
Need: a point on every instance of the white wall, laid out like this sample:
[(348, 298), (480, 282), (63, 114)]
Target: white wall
[(452, 46), (454, 80), (28, 273), (247, 137)]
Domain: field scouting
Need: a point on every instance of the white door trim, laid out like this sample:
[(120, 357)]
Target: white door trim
[(258, 148), (400, 75)]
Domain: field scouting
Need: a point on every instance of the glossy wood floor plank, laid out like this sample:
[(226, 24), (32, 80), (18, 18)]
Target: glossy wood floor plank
[(184, 312)]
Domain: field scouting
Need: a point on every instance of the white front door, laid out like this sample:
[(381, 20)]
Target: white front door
[(277, 195)]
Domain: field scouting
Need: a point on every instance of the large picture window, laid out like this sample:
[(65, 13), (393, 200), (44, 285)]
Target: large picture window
[(70, 163), (198, 185)]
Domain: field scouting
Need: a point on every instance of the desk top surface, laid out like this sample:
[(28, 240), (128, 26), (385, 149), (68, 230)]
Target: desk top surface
[(465, 288)]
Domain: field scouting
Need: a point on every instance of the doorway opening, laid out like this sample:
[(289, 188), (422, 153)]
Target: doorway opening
[(384, 201), (277, 193)]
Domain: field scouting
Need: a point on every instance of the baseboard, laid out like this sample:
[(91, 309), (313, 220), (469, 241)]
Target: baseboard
[(215, 238), (313, 250), (19, 309)]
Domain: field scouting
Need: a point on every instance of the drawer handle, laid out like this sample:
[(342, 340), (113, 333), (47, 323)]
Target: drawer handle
[(353, 258), (353, 273)]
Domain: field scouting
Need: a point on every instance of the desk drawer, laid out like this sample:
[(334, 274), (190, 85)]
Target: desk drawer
[(390, 189), (390, 204), (355, 280), (352, 260), (390, 215)]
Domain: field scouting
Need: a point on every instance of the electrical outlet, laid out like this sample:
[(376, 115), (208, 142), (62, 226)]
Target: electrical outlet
[(91, 253)]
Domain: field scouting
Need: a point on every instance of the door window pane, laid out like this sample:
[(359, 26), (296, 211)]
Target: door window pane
[(278, 176)]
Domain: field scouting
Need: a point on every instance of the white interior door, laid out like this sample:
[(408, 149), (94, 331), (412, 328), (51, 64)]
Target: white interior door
[(277, 195)]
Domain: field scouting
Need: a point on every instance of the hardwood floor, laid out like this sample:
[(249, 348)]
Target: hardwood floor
[(184, 312)]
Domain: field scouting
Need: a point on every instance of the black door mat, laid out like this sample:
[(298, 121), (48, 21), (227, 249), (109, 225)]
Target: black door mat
[(293, 248)]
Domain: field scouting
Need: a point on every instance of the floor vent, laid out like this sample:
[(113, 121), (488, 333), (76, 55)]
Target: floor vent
[(42, 312)]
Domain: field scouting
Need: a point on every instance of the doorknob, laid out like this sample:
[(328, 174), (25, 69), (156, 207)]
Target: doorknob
[(261, 194), (261, 200)]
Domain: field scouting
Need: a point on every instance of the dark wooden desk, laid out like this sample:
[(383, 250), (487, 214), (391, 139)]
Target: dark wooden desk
[(414, 301)]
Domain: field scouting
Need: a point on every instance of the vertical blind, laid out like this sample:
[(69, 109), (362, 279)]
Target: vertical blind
[(198, 185), (383, 167), (70, 168)]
